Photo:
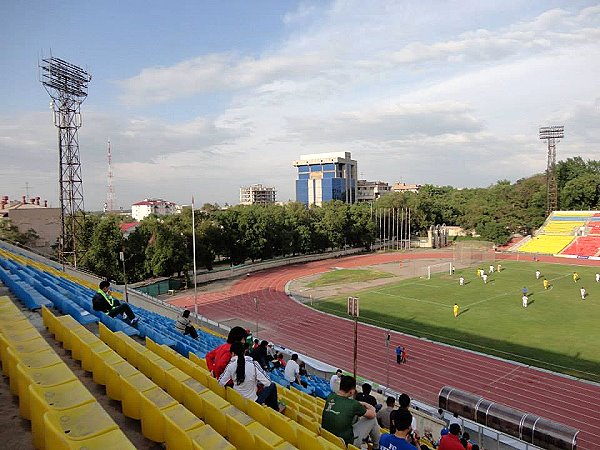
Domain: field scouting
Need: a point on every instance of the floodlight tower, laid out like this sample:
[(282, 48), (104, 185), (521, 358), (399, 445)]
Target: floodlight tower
[(551, 134), (67, 86), (110, 191)]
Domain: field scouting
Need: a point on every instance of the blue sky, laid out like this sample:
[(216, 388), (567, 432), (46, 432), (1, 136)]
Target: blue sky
[(203, 97)]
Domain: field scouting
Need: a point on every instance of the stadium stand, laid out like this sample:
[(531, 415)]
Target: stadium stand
[(173, 395), (584, 246), (546, 244)]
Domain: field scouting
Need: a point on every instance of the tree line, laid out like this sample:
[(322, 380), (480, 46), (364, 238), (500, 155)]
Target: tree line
[(162, 246)]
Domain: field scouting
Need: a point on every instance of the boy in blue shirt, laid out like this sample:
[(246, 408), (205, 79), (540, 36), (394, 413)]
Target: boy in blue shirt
[(401, 420)]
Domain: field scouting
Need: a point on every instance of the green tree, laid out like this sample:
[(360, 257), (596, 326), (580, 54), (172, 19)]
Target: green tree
[(582, 192), (102, 256)]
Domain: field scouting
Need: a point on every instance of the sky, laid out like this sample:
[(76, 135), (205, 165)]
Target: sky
[(199, 98)]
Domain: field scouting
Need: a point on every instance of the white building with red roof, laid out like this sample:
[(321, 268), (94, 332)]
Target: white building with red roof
[(155, 206)]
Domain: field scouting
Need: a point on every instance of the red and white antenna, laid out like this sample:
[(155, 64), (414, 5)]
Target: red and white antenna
[(110, 192)]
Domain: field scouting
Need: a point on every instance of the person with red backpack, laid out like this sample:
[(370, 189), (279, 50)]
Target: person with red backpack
[(218, 358)]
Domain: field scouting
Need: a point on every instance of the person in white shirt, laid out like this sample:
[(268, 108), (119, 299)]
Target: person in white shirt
[(334, 382), (525, 300), (292, 370), (485, 277), (583, 293), (598, 278), (537, 274), (461, 281), (491, 268), (246, 374)]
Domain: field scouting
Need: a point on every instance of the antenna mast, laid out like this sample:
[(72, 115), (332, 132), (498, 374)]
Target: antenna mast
[(110, 192)]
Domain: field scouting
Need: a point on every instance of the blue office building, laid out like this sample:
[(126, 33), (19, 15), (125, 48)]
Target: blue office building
[(323, 177)]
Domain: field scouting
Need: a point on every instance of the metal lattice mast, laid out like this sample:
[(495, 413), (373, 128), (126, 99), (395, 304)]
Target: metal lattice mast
[(551, 134), (110, 191), (67, 86)]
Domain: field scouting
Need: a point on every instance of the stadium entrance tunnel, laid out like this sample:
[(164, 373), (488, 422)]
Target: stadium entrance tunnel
[(528, 427)]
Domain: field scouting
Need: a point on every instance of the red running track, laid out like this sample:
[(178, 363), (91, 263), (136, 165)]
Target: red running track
[(431, 365)]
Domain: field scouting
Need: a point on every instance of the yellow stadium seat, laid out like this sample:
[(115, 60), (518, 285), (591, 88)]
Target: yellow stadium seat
[(212, 405), (75, 425), (87, 361), (261, 444), (332, 438), (79, 340), (238, 415), (54, 375), (174, 380), (192, 400), (308, 422), (206, 438), (155, 368), (214, 386), (236, 399), (60, 397), (178, 422), (113, 440), (131, 393), (63, 325), (284, 427), (257, 412), (239, 435), (114, 374), (37, 360), (268, 436), (307, 440), (153, 403), (200, 361), (100, 363)]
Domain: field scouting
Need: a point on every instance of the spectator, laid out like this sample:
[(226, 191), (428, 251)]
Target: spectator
[(218, 358), (279, 362), (104, 302), (184, 325), (334, 382), (404, 357), (401, 439), (271, 351), (383, 415), (340, 412), (464, 440), (249, 338), (475, 447), (255, 344), (259, 354), (292, 371), (440, 414), (246, 375), (451, 441), (303, 371), (365, 396), (455, 419), (404, 403)]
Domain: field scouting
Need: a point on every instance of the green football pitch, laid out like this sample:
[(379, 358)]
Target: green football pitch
[(558, 330)]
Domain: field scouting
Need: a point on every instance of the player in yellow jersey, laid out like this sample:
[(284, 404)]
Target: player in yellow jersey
[(546, 284), (575, 277), (455, 310)]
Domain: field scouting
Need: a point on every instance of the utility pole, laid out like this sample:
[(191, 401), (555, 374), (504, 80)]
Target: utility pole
[(353, 311)]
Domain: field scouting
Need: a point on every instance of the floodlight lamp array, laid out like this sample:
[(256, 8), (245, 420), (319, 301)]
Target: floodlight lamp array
[(554, 132), (64, 78)]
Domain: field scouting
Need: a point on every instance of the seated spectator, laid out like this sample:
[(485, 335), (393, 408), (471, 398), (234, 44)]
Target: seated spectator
[(246, 376), (104, 302), (279, 362), (365, 396), (464, 440), (292, 371), (218, 358), (383, 415), (440, 414), (255, 344), (184, 325), (271, 351), (341, 410), (334, 382), (451, 440), (401, 439), (259, 354), (303, 371), (404, 403)]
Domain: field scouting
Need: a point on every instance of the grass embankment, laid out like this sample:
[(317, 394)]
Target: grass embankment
[(345, 276), (558, 331)]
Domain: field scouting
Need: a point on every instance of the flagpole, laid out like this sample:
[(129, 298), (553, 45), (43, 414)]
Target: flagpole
[(194, 252)]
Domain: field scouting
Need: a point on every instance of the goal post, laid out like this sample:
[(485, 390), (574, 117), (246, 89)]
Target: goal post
[(445, 267)]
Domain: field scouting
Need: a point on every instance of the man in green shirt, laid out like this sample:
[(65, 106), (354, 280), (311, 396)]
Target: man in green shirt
[(348, 418)]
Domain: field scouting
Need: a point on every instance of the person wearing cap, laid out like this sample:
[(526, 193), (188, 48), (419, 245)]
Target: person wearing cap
[(270, 351), (334, 382)]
